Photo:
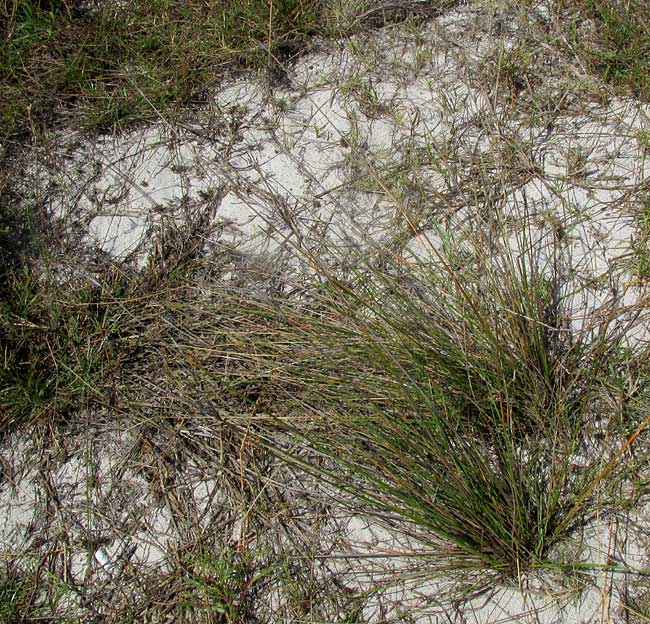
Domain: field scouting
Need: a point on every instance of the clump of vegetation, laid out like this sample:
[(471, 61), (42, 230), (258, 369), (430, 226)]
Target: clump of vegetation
[(117, 66), (456, 395), (16, 595), (460, 401), (224, 584), (15, 240), (641, 245), (620, 52), (128, 64), (56, 347)]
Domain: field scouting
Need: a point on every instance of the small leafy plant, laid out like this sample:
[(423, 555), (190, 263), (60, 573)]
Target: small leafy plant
[(224, 584)]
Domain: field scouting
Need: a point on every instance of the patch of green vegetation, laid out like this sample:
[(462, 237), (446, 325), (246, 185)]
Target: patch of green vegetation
[(225, 584), (55, 344), (513, 69), (15, 239), (126, 64), (621, 51), (641, 245), (120, 65), (15, 593), (367, 97), (25, 595), (456, 399), (643, 139)]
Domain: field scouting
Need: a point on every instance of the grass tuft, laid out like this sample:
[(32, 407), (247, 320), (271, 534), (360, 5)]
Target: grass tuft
[(12, 598), (461, 401), (18, 592)]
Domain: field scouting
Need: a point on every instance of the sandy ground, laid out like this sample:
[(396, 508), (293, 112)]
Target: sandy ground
[(398, 138)]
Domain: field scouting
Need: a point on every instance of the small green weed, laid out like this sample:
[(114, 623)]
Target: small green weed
[(367, 97), (643, 138), (513, 69), (224, 585)]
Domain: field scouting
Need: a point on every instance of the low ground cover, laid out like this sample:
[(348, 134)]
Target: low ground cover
[(480, 402), (112, 66)]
